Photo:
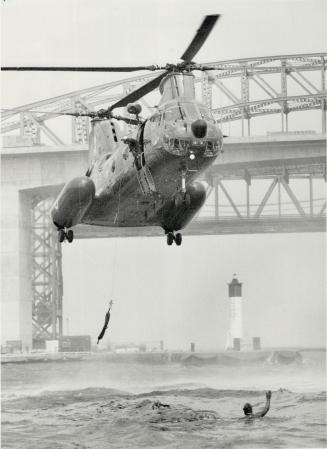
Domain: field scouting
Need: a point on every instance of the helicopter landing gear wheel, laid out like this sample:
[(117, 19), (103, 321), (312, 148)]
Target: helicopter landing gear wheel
[(70, 235), (61, 235), (170, 238), (178, 239)]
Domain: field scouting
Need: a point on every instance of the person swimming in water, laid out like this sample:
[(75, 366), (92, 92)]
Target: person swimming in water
[(248, 411)]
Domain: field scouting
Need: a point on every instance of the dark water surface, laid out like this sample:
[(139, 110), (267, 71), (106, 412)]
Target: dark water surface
[(97, 404)]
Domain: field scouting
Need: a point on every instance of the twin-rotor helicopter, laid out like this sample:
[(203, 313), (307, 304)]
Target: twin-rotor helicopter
[(149, 177)]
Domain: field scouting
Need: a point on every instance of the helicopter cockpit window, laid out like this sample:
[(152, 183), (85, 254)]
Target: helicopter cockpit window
[(206, 114), (173, 114)]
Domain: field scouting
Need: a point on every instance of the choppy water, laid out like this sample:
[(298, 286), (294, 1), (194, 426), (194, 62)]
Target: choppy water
[(108, 405)]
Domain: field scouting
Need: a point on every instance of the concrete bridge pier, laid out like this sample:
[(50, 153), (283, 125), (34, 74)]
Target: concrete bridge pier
[(16, 302), (31, 270)]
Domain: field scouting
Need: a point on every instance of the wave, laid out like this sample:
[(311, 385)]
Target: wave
[(204, 392), (103, 394), (197, 417), (275, 357)]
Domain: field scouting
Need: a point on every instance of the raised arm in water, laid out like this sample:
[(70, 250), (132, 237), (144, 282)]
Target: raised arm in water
[(248, 412), (266, 407)]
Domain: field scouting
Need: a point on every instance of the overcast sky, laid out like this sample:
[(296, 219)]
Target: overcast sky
[(175, 294)]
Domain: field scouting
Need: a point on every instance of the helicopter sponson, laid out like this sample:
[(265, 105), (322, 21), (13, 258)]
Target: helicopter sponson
[(73, 202), (181, 208)]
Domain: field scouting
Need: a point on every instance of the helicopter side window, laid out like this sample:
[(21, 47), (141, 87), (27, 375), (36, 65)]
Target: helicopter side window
[(191, 111)]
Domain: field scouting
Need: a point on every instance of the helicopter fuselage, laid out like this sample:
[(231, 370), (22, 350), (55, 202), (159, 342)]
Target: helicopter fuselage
[(147, 178)]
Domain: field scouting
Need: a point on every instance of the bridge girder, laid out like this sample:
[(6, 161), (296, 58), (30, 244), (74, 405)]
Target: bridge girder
[(273, 78)]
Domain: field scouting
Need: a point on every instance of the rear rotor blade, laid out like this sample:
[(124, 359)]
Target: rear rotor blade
[(79, 69), (31, 111), (139, 93), (200, 37)]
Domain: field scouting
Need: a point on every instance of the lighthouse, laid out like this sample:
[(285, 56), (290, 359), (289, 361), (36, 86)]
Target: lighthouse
[(235, 333)]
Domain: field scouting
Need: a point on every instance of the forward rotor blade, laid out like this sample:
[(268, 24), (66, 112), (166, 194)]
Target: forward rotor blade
[(79, 69), (31, 111), (139, 93), (200, 37)]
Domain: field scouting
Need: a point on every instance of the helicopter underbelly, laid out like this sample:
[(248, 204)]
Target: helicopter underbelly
[(126, 203)]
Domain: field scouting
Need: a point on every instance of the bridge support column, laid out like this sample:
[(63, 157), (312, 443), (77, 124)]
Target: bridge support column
[(46, 275), (16, 291)]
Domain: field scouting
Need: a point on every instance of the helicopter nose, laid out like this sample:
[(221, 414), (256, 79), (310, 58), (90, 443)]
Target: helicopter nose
[(199, 128)]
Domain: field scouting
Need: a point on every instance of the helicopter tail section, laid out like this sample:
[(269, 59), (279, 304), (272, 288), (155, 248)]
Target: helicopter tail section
[(72, 203), (105, 138)]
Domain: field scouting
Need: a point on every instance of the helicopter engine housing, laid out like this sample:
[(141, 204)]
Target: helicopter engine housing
[(72, 202)]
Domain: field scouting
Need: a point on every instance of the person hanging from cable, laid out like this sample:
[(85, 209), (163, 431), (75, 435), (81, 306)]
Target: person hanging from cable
[(106, 322)]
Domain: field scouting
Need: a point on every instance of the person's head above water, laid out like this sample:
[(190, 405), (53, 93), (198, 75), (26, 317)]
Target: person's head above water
[(247, 409)]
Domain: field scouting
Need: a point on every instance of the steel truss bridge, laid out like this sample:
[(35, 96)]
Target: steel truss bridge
[(261, 86), (278, 163)]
